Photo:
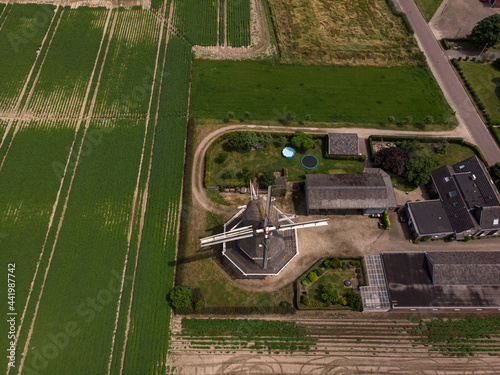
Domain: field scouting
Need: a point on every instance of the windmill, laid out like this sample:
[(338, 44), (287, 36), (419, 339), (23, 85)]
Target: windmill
[(259, 236)]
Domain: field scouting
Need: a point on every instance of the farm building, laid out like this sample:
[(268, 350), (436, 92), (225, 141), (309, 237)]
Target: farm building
[(468, 204), (442, 280), (343, 144), (370, 192)]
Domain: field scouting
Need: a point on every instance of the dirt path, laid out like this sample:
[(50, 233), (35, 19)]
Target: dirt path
[(61, 219), (260, 39), (143, 202)]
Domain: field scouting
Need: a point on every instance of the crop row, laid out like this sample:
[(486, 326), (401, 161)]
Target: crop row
[(127, 78), (197, 20), (69, 63), (238, 22), (20, 37)]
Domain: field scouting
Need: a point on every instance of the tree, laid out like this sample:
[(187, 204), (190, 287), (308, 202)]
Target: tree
[(354, 300), (302, 141), (313, 277), (428, 120), (391, 119), (248, 173), (305, 300), (229, 173), (419, 168), (409, 119), (242, 140), (180, 296), (410, 146), (393, 159), (265, 138), (267, 179), (230, 114), (330, 294), (486, 31), (282, 141), (495, 171)]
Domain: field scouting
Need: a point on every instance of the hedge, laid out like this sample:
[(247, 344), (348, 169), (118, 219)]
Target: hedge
[(404, 17)]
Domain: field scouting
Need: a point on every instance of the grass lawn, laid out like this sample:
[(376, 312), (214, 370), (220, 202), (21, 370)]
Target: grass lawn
[(428, 7), (337, 32), (327, 94), (485, 80), (334, 277), (271, 158)]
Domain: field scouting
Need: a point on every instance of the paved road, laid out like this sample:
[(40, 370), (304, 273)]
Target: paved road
[(450, 84)]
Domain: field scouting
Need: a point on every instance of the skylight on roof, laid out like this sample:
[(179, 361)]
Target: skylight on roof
[(461, 167), (495, 221), (446, 179), (452, 193)]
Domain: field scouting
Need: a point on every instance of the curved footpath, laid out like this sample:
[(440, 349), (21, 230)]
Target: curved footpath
[(450, 84)]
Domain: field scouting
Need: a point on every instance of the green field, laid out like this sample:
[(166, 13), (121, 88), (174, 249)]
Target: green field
[(69, 62), (92, 241), (20, 37), (428, 7), (197, 20), (485, 81), (238, 22), (271, 158), (327, 94)]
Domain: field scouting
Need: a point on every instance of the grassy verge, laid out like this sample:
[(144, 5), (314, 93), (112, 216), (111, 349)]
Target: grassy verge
[(485, 81), (428, 7), (326, 94)]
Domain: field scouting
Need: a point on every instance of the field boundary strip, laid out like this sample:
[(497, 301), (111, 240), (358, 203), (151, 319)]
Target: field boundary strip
[(26, 84), (61, 219)]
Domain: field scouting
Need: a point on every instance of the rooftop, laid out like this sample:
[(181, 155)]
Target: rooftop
[(430, 217), (343, 144), (350, 191), (410, 286)]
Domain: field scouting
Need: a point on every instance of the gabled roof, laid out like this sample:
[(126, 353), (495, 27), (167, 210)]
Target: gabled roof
[(465, 268), (481, 178), (350, 191), (430, 218), (452, 200), (343, 144), (489, 218)]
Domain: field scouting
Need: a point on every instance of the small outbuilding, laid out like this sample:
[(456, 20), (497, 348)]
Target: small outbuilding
[(343, 144), (371, 192)]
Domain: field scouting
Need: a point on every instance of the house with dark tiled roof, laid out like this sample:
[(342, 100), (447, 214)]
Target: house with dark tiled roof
[(468, 204), (343, 144), (371, 193)]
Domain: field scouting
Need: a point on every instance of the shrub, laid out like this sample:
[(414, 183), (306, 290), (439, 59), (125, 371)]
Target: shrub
[(198, 306), (282, 141), (386, 221), (242, 140), (313, 277), (230, 115), (391, 119), (354, 263), (319, 272), (267, 179), (327, 263), (305, 282), (247, 114), (354, 300), (302, 141), (330, 294), (305, 300), (180, 296), (222, 157), (335, 263)]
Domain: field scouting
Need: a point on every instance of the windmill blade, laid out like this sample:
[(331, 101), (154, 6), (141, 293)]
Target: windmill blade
[(268, 206), (237, 234), (305, 224), (266, 248)]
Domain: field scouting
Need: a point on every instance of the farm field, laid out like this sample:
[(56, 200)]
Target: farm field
[(336, 32), (327, 94), (111, 179), (271, 159), (238, 22), (20, 37), (485, 81), (197, 20), (345, 343)]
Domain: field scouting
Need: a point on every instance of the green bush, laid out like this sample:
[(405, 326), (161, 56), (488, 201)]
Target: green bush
[(305, 282), (386, 221), (327, 264), (354, 263), (305, 300), (319, 272), (330, 294), (180, 296), (335, 263), (312, 277), (354, 300), (198, 306)]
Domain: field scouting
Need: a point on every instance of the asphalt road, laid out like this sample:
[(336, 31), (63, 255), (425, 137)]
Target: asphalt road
[(450, 84)]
